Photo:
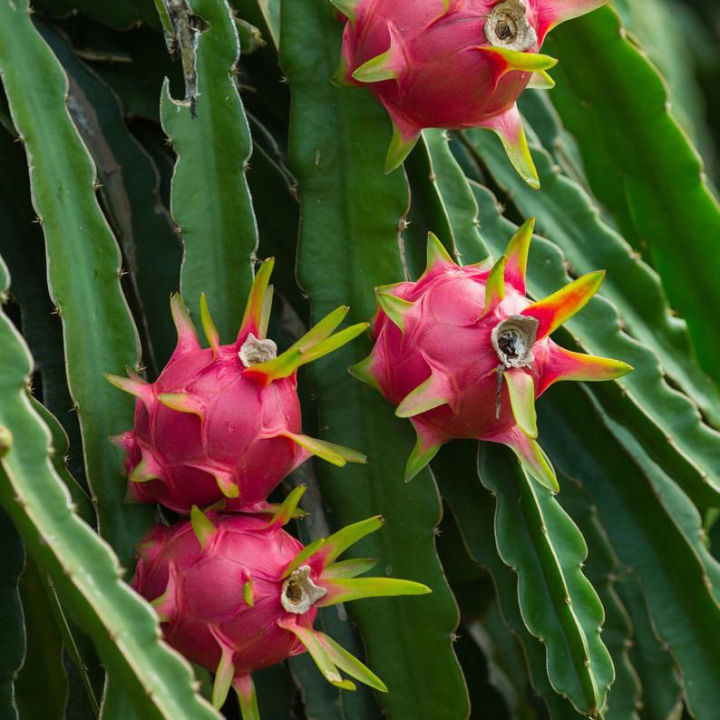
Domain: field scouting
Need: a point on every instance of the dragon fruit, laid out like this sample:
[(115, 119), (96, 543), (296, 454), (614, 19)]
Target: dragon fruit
[(224, 422), (236, 593), (464, 353), (452, 64)]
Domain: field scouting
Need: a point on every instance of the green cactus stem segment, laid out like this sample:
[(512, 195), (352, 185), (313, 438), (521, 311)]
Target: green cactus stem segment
[(5, 441), (299, 592)]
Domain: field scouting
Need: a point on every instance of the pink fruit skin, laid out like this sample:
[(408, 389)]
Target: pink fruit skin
[(444, 333), (206, 591), (238, 436), (446, 82)]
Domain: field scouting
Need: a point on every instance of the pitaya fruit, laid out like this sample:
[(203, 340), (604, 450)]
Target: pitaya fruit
[(452, 64), (236, 593), (223, 423), (464, 354)]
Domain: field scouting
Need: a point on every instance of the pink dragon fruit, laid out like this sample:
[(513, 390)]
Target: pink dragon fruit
[(224, 422), (452, 64), (236, 593), (464, 354)]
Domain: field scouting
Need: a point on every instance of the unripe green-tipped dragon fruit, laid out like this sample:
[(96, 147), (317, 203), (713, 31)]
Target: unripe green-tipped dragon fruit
[(452, 63), (464, 354), (236, 593), (224, 423)]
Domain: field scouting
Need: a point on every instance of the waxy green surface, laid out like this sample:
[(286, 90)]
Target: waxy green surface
[(83, 265), (210, 200), (349, 242), (82, 566), (641, 164)]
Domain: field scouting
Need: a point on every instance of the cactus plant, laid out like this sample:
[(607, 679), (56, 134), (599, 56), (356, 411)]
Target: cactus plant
[(172, 148)]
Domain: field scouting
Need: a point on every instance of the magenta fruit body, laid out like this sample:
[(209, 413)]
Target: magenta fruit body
[(205, 595), (236, 433), (445, 82)]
